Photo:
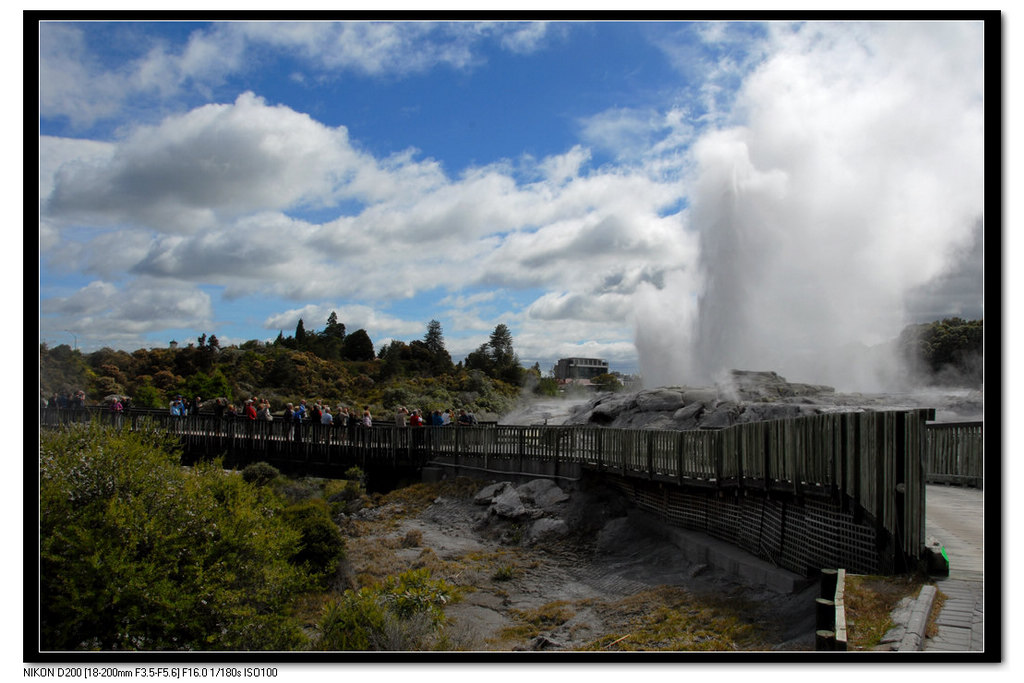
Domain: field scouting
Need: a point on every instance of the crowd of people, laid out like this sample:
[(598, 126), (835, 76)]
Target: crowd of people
[(341, 418), (67, 400)]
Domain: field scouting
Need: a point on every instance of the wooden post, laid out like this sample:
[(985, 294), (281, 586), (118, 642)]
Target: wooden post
[(825, 613), (824, 640), (829, 578)]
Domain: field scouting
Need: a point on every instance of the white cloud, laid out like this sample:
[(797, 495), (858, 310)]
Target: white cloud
[(71, 84), (352, 316), (76, 86), (217, 160), (204, 197), (103, 314)]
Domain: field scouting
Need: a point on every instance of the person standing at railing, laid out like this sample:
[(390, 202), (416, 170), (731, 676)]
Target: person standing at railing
[(117, 408), (78, 406), (402, 417), (339, 423), (287, 418), (326, 422), (351, 422)]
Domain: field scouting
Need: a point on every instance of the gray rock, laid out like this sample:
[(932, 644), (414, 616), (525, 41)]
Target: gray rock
[(722, 415), (509, 505), (546, 528), (659, 399), (487, 494), (700, 396), (543, 493), (689, 413)]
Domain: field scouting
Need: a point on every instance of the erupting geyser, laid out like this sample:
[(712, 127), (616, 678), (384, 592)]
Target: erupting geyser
[(849, 183)]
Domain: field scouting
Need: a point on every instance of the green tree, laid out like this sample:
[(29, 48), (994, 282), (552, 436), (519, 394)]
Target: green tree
[(334, 329), (357, 347), (137, 553), (946, 351), (506, 362), (440, 361), (208, 386), (606, 382), (148, 396), (300, 335)]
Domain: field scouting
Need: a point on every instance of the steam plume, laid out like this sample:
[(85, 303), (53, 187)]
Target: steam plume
[(854, 181)]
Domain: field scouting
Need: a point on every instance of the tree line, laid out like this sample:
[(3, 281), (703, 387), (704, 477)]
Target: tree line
[(945, 352), (329, 363)]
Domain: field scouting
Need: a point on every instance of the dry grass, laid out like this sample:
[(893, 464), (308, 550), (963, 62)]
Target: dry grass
[(671, 618), (870, 601), (417, 497)]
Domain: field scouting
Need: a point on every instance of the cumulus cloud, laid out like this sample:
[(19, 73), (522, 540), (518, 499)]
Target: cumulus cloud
[(76, 86), (120, 316), (205, 197), (215, 160), (353, 316)]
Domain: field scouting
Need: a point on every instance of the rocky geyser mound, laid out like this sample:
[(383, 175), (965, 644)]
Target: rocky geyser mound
[(745, 396)]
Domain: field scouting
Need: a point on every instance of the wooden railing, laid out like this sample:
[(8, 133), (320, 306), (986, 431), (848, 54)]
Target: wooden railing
[(956, 453), (876, 461)]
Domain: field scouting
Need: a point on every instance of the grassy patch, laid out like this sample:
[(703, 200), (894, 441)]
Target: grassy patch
[(531, 623), (870, 601), (671, 618), (417, 497)]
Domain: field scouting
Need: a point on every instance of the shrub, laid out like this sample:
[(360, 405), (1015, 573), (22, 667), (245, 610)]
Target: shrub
[(405, 612), (412, 539), (260, 473), (138, 553), (321, 544)]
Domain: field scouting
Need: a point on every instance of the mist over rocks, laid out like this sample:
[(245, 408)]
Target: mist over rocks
[(753, 396)]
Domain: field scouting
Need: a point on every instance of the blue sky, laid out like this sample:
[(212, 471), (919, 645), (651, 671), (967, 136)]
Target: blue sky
[(674, 197)]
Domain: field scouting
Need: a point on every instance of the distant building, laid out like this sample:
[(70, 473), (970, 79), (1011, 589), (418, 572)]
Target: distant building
[(174, 344), (579, 370)]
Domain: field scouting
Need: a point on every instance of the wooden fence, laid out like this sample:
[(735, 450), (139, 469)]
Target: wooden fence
[(956, 453), (872, 463)]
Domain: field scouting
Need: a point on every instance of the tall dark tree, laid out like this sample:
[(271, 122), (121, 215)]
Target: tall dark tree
[(440, 360), (334, 329), (357, 347), (434, 338), (300, 335), (506, 362), (501, 345)]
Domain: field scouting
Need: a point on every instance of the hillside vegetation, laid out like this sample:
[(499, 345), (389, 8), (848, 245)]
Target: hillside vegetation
[(329, 365), (339, 367)]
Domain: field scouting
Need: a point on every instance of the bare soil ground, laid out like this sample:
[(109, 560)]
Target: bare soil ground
[(605, 584)]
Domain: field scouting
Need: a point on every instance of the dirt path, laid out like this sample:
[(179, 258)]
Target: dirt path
[(597, 581)]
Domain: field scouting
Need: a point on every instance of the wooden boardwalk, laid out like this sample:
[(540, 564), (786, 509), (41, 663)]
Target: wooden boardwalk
[(956, 518)]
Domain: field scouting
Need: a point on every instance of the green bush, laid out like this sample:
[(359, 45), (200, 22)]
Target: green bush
[(321, 544), (404, 612), (138, 553), (260, 473)]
